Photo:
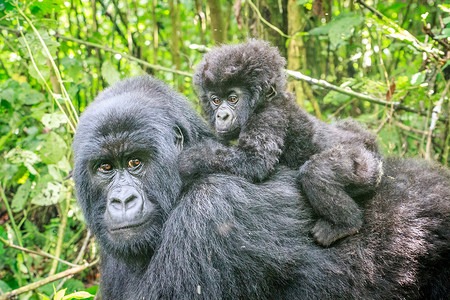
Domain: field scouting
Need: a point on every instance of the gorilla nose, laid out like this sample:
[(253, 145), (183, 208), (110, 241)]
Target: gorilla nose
[(223, 116), (124, 204)]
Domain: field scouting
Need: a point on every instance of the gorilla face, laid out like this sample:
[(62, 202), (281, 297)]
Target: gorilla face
[(119, 171), (230, 109), (123, 189)]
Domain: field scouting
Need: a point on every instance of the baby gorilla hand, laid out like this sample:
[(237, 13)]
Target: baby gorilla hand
[(203, 158), (190, 162)]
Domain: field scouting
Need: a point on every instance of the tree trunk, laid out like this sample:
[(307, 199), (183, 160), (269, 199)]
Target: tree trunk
[(296, 55), (175, 45), (215, 11)]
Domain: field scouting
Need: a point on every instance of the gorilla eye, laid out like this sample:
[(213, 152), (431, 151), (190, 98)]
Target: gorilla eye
[(133, 163), (233, 99), (216, 100), (105, 167)]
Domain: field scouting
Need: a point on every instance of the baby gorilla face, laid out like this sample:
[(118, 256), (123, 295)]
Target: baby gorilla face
[(231, 110)]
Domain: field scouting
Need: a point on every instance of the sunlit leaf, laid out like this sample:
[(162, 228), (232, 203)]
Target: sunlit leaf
[(339, 29), (59, 295), (18, 155), (53, 149), (50, 195), (21, 196), (110, 73), (418, 78), (31, 97), (78, 295), (54, 120)]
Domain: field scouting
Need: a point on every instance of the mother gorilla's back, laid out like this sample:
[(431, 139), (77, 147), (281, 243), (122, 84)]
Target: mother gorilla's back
[(222, 237)]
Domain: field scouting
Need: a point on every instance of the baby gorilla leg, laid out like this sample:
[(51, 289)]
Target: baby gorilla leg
[(330, 179)]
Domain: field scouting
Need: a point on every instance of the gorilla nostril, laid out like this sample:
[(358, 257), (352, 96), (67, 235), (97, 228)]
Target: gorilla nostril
[(131, 201), (116, 204), (223, 117)]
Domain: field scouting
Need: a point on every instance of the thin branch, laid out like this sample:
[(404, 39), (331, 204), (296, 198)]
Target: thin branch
[(70, 108), (55, 97), (339, 110), (112, 19), (267, 22), (414, 130), (62, 228), (79, 257), (40, 252), (98, 46), (414, 41), (295, 74), (129, 57), (442, 42), (434, 117), (346, 91), (38, 284)]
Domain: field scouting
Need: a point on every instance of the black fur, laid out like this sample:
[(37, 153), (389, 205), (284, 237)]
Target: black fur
[(338, 161), (222, 237)]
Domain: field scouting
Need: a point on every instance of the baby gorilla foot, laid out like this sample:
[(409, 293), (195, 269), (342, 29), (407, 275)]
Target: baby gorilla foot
[(325, 233)]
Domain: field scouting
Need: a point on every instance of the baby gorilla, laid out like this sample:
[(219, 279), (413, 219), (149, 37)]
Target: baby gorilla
[(242, 91)]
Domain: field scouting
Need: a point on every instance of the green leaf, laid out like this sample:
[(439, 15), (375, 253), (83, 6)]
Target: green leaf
[(51, 194), (303, 2), (8, 95), (336, 98), (44, 70), (54, 120), (20, 198), (418, 78), (18, 156), (30, 97), (72, 285), (445, 7), (60, 294), (339, 29), (53, 149), (445, 34), (4, 287), (110, 73), (78, 295)]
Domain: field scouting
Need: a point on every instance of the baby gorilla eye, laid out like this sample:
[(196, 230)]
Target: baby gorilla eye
[(233, 99), (133, 163), (105, 167), (216, 100)]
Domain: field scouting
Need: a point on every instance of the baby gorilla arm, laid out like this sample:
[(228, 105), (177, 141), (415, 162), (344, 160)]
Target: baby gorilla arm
[(330, 179), (259, 149)]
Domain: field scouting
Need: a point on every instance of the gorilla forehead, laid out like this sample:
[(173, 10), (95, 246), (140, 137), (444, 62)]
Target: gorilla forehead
[(141, 110), (253, 63), (122, 124)]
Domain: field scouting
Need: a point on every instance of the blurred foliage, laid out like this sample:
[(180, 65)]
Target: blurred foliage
[(55, 57)]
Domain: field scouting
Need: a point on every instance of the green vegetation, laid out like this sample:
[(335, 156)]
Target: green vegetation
[(385, 63)]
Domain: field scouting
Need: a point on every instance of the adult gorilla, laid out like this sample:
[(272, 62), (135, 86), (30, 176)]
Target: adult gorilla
[(221, 237)]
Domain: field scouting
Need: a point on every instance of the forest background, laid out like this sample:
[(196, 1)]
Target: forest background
[(384, 63)]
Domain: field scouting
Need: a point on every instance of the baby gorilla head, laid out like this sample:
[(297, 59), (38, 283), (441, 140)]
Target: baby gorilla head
[(234, 80)]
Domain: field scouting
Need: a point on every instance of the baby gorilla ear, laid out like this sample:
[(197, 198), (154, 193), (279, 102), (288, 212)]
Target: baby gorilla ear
[(179, 138)]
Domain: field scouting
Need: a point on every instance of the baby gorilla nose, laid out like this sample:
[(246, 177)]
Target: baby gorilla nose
[(223, 115), (225, 120), (124, 205)]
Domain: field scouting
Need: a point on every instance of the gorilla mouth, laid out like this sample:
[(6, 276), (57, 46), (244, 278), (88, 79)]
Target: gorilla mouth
[(229, 133), (129, 226)]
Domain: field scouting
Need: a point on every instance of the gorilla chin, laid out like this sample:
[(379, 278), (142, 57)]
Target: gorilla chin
[(229, 134), (127, 232)]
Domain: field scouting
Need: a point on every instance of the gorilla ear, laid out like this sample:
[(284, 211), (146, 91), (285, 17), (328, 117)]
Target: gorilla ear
[(179, 138)]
